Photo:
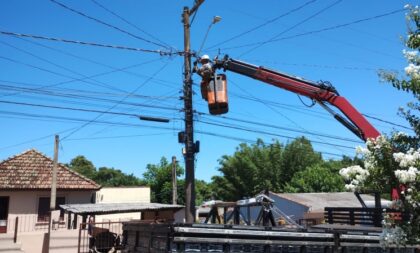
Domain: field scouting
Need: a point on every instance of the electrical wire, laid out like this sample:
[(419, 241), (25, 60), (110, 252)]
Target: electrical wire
[(271, 134), (161, 81), (261, 124), (160, 52), (72, 80), (292, 27), (105, 24), (116, 104), (80, 109), (61, 118), (319, 30), (97, 83), (263, 24), (386, 121), (129, 23)]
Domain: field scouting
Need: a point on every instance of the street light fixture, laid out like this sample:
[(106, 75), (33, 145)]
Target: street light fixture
[(216, 19)]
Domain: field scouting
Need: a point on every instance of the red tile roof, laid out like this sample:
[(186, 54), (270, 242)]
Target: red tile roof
[(32, 170)]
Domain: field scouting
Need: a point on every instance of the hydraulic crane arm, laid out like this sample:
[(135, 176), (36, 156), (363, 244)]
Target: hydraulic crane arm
[(321, 93)]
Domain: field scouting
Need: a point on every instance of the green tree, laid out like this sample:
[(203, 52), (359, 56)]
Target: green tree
[(297, 156), (104, 176), (159, 178), (410, 80), (316, 178), (113, 177), (394, 162), (258, 167), (248, 171), (83, 166)]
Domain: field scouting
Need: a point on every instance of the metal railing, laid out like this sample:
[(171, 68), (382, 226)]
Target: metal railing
[(100, 236), (31, 223)]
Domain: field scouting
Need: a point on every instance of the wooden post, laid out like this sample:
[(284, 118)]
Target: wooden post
[(53, 191), (79, 240), (16, 229), (174, 182)]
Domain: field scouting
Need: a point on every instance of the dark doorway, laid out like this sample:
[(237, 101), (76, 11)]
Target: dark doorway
[(4, 212)]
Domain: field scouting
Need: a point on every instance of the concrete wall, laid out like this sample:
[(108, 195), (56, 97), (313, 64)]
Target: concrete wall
[(122, 195), (24, 204)]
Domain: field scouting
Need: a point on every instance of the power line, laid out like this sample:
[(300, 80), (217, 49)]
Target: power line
[(386, 121), (160, 52), (98, 83), (263, 24), (116, 104), (272, 134), (128, 22), (80, 109), (105, 24), (285, 128), (74, 92), (163, 82), (320, 30), (293, 27), (251, 141), (38, 116), (309, 112), (317, 65), (73, 80)]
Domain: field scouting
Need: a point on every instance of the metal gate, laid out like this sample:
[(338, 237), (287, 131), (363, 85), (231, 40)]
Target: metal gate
[(100, 237)]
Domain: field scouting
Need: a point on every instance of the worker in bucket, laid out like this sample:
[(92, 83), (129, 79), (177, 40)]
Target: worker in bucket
[(206, 73)]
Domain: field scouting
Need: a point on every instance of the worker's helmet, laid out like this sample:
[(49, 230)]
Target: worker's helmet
[(205, 57)]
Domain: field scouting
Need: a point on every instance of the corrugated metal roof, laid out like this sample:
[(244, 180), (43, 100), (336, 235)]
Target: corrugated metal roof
[(110, 208), (318, 201)]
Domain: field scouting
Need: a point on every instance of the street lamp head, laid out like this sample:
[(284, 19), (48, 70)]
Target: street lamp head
[(216, 19)]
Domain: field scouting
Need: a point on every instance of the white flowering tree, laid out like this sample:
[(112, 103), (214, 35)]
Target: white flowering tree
[(391, 165)]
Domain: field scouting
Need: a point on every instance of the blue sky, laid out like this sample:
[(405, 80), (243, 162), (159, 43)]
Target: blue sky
[(138, 83)]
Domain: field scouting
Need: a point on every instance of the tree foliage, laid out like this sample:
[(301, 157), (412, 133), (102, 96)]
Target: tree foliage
[(258, 167), (104, 176), (391, 164), (159, 178), (316, 178)]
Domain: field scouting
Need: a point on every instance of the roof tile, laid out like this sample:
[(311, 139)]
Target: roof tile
[(32, 170)]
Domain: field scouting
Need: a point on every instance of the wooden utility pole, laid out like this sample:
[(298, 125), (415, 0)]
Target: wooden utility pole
[(54, 176), (189, 130), (53, 197), (174, 183)]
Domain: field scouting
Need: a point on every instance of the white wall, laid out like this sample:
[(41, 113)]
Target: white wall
[(122, 195), (24, 204)]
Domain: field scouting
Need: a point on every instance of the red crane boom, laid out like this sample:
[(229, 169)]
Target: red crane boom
[(319, 92)]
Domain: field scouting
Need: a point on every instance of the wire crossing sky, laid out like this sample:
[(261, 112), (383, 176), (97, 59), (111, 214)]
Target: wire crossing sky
[(88, 69)]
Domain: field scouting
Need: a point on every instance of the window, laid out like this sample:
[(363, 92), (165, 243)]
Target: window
[(44, 208)]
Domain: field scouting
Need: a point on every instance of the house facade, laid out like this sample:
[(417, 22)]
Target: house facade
[(25, 188)]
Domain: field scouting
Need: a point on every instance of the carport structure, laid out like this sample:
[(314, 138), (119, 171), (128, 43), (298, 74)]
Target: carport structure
[(149, 211)]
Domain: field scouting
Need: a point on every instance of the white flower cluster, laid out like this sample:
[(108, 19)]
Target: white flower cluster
[(413, 71), (392, 236), (355, 175), (412, 56), (362, 151), (411, 158), (407, 176)]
